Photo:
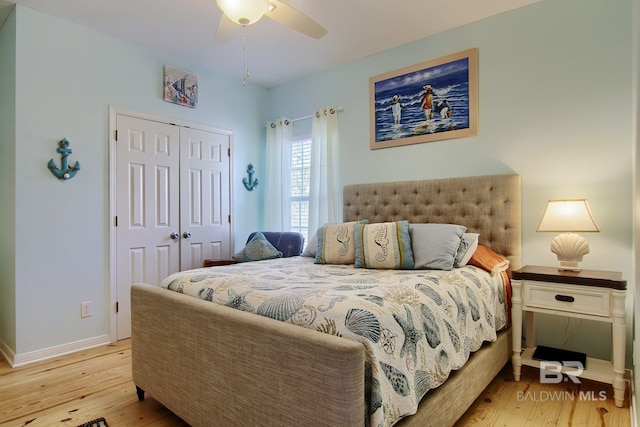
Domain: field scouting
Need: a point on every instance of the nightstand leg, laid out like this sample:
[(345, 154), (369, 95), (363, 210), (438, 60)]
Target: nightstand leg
[(516, 328), (618, 335), (529, 329)]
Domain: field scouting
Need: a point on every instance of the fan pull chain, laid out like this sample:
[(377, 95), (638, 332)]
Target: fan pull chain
[(246, 56)]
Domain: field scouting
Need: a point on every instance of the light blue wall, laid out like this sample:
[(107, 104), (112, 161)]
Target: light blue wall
[(555, 83), (66, 78), (7, 181)]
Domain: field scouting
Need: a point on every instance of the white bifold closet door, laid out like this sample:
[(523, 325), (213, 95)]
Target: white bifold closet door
[(173, 203)]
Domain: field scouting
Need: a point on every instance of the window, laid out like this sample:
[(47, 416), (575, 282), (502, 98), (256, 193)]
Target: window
[(300, 175)]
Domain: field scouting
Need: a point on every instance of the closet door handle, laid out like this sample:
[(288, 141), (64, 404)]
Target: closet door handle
[(565, 298), (174, 236), (186, 234)]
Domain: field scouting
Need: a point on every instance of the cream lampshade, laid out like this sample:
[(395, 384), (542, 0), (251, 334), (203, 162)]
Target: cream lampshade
[(243, 12), (568, 217)]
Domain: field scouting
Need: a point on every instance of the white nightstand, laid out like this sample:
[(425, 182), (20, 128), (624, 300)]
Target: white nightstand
[(588, 294)]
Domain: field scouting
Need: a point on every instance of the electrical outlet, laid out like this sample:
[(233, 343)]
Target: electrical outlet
[(86, 309)]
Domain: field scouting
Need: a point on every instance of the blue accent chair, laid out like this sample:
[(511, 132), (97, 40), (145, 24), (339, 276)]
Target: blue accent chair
[(290, 243)]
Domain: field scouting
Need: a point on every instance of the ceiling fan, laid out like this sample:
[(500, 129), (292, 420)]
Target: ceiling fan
[(247, 12)]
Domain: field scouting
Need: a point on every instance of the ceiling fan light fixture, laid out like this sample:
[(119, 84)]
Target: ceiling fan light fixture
[(243, 12)]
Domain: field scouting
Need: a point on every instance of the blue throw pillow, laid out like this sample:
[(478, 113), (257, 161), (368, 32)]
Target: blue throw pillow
[(257, 249)]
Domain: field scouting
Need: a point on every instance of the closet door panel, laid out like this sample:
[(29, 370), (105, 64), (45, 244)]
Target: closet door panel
[(204, 193)]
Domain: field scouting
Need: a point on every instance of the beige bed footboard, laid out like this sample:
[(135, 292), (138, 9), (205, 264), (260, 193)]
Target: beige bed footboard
[(217, 366)]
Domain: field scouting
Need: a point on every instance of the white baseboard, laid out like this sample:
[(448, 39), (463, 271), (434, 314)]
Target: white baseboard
[(6, 352), (16, 360)]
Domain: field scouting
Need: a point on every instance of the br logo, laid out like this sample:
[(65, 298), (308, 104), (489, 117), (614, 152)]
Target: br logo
[(552, 372)]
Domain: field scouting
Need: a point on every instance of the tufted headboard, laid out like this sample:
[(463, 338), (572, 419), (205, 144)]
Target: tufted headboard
[(488, 205)]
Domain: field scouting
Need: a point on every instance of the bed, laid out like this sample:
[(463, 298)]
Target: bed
[(215, 365)]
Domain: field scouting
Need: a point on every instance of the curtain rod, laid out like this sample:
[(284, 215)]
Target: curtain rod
[(311, 116)]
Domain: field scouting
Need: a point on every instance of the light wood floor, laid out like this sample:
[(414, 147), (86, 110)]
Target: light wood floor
[(528, 403), (74, 389)]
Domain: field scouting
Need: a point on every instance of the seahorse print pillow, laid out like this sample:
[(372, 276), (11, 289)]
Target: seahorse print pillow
[(335, 243), (383, 245)]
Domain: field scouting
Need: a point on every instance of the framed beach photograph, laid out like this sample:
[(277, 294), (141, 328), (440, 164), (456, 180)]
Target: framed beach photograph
[(180, 87), (431, 101)]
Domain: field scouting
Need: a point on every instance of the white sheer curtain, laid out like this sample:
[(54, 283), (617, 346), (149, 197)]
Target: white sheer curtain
[(277, 203), (325, 197)]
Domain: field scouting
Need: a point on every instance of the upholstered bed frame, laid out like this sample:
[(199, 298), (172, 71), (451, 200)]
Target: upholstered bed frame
[(213, 365)]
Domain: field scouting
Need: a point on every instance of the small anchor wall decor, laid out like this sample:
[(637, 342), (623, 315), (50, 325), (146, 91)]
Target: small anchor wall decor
[(248, 184), (65, 172)]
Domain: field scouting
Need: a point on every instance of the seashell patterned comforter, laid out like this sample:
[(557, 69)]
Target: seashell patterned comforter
[(417, 325)]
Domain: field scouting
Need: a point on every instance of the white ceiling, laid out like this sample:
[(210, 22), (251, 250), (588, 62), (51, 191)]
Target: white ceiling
[(186, 29)]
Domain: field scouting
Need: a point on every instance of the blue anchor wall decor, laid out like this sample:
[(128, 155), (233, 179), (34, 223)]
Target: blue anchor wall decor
[(65, 172), (248, 184)]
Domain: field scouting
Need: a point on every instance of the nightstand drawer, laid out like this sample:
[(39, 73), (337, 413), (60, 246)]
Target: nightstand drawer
[(576, 299)]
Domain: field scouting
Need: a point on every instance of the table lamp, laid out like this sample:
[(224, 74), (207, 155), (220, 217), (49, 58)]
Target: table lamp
[(568, 217)]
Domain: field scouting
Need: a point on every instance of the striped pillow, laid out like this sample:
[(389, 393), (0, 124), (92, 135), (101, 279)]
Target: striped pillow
[(335, 243), (383, 245)]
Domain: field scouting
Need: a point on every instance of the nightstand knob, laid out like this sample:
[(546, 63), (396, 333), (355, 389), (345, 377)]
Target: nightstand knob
[(565, 298)]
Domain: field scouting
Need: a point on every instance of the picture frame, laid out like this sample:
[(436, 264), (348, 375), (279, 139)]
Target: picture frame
[(180, 87), (431, 101)]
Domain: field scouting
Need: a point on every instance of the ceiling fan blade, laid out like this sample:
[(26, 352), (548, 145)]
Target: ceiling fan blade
[(293, 18), (226, 30)]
